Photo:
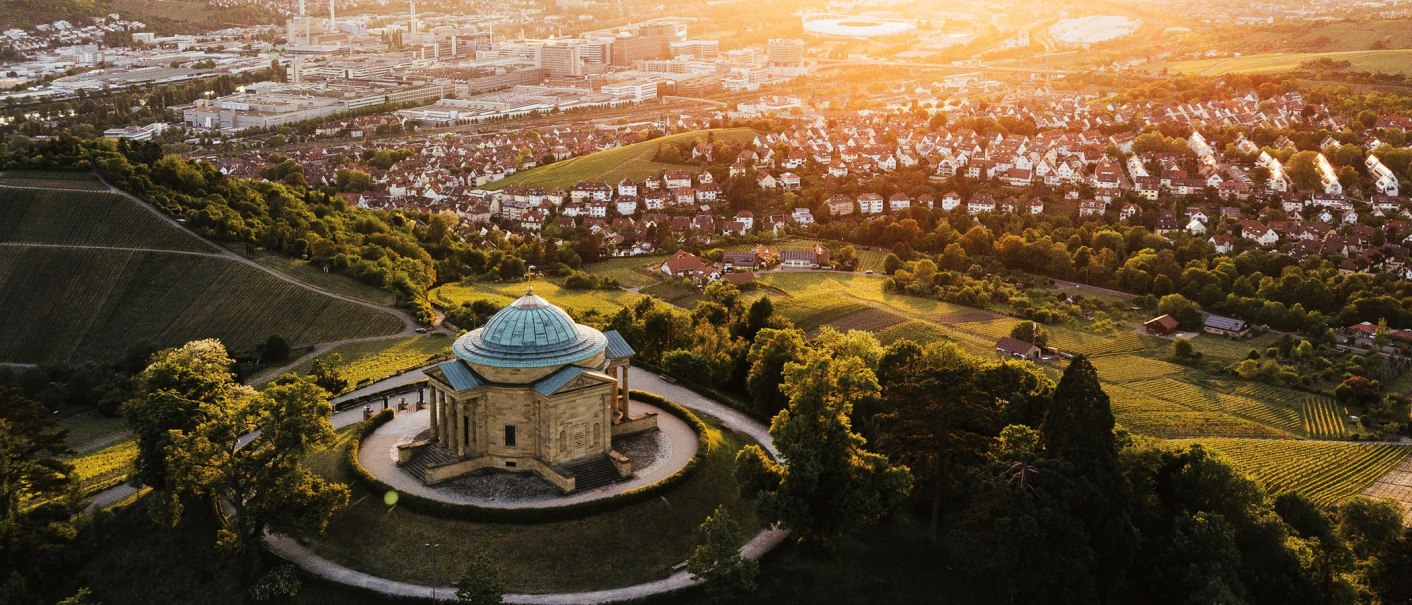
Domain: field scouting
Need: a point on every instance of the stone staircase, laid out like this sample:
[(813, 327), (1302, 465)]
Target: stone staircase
[(591, 473), (428, 457)]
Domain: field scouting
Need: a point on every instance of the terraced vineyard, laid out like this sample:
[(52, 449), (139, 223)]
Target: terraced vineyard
[(87, 219), (1323, 471), (503, 293), (52, 179), (60, 304)]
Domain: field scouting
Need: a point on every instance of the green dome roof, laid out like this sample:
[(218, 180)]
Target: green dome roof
[(530, 333)]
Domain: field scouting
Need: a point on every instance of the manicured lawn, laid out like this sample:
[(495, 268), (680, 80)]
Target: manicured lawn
[(1323, 471), (629, 161), (635, 543), (368, 362)]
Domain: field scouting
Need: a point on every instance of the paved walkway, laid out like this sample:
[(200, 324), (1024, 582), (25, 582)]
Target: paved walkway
[(379, 455), (305, 558)]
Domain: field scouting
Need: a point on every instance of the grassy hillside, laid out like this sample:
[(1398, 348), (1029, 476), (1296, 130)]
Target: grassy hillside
[(630, 161), (1391, 61), (84, 275)]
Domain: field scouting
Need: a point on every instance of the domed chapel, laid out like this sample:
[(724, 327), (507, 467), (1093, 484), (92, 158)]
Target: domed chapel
[(531, 391)]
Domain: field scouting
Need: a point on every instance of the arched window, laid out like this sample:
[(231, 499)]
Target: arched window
[(597, 434), (563, 441)]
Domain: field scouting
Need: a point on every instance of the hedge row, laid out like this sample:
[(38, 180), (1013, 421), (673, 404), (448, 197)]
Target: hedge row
[(471, 512)]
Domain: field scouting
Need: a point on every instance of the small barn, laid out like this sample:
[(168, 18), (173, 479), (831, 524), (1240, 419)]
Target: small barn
[(1162, 325), (1016, 348)]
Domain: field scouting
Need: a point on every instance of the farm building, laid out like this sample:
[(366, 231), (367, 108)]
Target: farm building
[(1226, 326), (804, 259), (739, 261), (1016, 348), (1164, 325)]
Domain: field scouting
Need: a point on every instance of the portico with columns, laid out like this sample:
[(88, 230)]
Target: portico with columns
[(531, 391)]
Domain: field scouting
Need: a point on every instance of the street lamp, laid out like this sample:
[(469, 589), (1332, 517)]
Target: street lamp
[(435, 577)]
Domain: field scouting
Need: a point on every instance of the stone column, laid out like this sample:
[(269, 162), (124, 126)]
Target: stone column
[(454, 426), (435, 426), (627, 393)]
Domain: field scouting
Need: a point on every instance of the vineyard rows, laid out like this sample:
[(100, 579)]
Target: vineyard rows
[(104, 468), (1323, 419), (631, 272), (368, 362), (1323, 471), (85, 303), (1209, 400), (868, 320), (89, 219), (1130, 368), (1168, 424), (810, 312)]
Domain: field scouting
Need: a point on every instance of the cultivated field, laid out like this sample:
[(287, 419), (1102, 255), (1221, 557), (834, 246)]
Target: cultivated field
[(1392, 61), (337, 283), (629, 161), (61, 304), (87, 219), (52, 179), (631, 272), (1323, 471), (504, 293), (367, 362)]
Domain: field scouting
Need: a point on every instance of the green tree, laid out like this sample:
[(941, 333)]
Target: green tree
[(326, 373), (38, 500), (1031, 332), (275, 349), (1182, 309), (891, 263), (1079, 430), (772, 349), (481, 583), (846, 258), (940, 421), (716, 560), (1369, 525), (263, 481), (169, 396), (831, 484), (1182, 349)]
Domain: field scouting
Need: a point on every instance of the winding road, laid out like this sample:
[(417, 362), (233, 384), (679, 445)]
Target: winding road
[(306, 559), (409, 323)]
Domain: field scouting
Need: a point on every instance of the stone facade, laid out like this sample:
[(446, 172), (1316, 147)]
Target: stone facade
[(556, 400)]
